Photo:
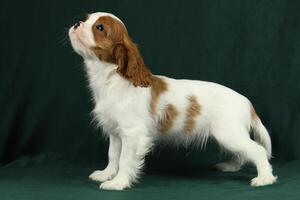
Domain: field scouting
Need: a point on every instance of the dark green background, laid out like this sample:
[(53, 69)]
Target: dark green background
[(48, 144)]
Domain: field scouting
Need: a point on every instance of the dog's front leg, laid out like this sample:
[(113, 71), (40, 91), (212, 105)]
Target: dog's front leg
[(135, 144), (111, 170)]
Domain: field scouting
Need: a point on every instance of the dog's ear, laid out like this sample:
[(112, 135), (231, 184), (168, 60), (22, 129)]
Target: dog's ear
[(120, 54), (131, 64)]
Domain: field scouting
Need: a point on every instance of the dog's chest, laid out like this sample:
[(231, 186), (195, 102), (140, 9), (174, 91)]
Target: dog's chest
[(109, 107), (120, 105)]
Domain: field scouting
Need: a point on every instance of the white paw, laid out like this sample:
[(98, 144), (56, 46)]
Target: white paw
[(261, 181), (228, 167), (114, 185), (101, 176)]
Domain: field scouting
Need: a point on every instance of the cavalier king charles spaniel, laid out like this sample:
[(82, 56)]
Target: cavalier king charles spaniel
[(135, 108)]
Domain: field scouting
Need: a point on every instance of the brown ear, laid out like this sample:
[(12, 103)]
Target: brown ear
[(131, 65)]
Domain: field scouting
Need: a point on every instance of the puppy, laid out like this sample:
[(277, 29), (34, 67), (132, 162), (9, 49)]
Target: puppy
[(135, 108)]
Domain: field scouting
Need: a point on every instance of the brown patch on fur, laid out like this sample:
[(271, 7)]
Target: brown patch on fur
[(157, 88), (169, 117), (114, 45), (193, 110)]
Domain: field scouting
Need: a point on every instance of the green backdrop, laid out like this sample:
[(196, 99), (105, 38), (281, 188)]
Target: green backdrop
[(48, 144)]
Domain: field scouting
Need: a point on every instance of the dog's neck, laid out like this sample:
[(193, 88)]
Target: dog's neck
[(101, 71), (103, 78)]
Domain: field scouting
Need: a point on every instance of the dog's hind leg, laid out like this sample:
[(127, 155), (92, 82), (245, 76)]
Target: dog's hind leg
[(238, 141)]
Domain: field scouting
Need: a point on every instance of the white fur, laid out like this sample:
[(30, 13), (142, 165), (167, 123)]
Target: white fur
[(123, 111)]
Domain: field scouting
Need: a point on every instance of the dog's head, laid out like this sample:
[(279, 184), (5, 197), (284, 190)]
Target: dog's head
[(103, 36)]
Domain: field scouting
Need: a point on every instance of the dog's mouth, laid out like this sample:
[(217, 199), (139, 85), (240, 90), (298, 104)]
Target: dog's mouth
[(76, 35)]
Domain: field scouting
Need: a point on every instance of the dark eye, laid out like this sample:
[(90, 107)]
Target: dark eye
[(100, 27)]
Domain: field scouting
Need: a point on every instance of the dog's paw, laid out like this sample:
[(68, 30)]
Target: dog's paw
[(114, 185), (101, 176), (228, 167), (261, 181)]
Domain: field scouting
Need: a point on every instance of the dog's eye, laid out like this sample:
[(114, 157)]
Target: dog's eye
[(100, 27)]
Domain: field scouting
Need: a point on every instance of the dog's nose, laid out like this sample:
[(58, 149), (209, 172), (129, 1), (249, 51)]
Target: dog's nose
[(77, 24)]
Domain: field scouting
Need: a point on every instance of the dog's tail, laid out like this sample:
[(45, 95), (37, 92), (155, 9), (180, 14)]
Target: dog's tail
[(260, 133)]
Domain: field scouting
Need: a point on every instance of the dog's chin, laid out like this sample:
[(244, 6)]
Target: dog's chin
[(79, 48), (76, 44)]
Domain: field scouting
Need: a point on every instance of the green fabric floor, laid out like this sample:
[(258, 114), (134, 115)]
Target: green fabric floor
[(23, 181)]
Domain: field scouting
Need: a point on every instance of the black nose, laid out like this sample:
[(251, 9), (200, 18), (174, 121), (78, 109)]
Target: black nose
[(77, 24)]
